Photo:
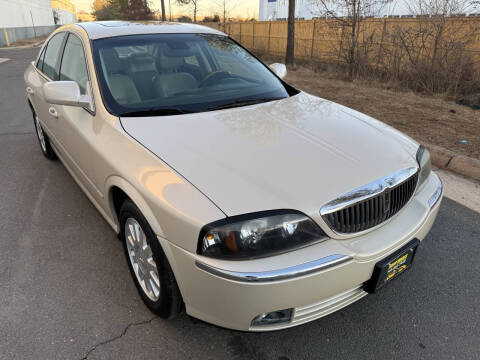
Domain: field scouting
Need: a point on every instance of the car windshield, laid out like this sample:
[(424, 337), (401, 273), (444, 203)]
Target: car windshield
[(168, 74)]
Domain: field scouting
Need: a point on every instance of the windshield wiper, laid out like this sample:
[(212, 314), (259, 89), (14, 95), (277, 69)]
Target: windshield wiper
[(155, 112), (244, 102)]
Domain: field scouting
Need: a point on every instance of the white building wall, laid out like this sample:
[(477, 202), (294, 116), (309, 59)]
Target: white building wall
[(26, 13), (262, 10), (24, 19), (278, 9)]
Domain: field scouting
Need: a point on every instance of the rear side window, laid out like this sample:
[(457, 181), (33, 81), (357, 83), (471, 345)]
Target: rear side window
[(40, 59), (74, 67), (51, 56)]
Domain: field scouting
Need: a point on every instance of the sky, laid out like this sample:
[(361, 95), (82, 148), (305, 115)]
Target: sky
[(239, 8), (235, 8)]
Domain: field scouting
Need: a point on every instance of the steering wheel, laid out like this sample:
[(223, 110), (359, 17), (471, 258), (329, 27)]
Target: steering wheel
[(214, 76)]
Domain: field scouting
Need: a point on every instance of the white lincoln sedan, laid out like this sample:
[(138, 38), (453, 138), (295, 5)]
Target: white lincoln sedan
[(239, 199)]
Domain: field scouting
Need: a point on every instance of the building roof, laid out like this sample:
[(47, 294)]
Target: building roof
[(104, 29)]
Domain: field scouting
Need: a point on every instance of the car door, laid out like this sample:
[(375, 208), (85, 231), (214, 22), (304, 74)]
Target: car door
[(78, 127), (44, 70)]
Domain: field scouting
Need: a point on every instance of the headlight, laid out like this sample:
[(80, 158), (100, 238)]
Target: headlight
[(258, 235), (423, 159)]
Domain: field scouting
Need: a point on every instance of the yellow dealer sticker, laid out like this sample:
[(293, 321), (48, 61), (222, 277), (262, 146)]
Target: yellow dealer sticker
[(390, 267)]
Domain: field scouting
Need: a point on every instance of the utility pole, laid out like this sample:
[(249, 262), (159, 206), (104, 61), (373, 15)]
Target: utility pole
[(290, 53), (34, 31), (224, 15), (164, 17)]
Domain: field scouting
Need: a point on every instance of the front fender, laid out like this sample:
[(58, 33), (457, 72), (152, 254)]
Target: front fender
[(137, 199)]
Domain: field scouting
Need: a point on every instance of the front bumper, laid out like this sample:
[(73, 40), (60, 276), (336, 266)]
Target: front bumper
[(314, 281)]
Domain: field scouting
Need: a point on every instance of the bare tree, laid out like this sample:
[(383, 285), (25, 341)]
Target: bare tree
[(193, 4), (348, 15), (290, 52), (437, 8), (225, 7), (434, 14), (437, 58)]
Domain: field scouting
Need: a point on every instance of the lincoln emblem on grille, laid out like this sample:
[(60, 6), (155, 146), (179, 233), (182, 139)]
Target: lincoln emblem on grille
[(387, 201)]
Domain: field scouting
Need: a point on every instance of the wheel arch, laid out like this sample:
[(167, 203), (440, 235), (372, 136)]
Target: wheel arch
[(119, 190)]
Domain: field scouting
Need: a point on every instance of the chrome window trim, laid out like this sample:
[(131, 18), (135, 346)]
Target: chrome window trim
[(41, 73), (369, 190), (277, 275), (71, 33)]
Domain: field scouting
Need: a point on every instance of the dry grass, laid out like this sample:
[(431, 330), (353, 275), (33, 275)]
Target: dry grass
[(427, 119)]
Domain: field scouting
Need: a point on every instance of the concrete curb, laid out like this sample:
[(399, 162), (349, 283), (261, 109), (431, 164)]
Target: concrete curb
[(27, 46), (449, 160)]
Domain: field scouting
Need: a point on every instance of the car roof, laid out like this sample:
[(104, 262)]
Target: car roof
[(105, 29)]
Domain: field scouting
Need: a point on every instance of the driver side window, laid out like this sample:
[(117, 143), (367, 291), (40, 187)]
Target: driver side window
[(74, 66)]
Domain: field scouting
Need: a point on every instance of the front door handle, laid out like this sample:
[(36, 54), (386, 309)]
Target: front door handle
[(30, 90), (53, 112)]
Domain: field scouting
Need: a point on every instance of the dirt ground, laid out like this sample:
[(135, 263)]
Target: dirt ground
[(427, 119)]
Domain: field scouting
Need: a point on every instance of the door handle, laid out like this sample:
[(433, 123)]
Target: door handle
[(30, 90), (53, 112)]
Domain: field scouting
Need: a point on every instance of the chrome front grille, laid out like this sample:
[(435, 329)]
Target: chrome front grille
[(372, 204)]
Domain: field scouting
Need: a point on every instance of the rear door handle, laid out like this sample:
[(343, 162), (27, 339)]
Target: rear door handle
[(30, 90), (53, 112)]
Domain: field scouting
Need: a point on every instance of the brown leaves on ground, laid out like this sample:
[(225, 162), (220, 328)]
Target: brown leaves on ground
[(427, 119)]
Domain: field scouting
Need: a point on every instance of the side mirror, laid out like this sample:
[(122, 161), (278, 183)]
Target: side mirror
[(65, 93), (279, 69)]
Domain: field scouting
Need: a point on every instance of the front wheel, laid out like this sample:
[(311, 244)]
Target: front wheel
[(148, 264), (43, 140)]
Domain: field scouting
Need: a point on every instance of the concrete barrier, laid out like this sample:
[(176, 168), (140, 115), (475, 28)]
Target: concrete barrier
[(13, 34)]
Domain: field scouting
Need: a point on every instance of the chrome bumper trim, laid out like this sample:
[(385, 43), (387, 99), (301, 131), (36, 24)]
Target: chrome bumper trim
[(277, 275), (436, 195)]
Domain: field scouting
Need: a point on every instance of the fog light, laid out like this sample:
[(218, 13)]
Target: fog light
[(271, 318)]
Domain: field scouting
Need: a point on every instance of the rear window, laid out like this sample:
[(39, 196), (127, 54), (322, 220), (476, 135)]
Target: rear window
[(50, 61)]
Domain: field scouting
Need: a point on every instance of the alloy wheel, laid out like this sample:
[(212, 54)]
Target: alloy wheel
[(141, 258), (40, 134)]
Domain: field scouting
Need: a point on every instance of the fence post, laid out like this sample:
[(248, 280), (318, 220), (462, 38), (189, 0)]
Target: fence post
[(253, 39), (313, 39), (269, 34), (241, 33)]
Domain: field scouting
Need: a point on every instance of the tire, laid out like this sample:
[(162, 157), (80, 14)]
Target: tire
[(43, 139), (168, 303)]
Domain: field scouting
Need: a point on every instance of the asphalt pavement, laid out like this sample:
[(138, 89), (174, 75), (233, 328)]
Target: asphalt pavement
[(66, 293)]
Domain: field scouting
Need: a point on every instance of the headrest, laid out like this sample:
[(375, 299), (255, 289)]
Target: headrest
[(111, 60), (141, 62), (171, 55), (168, 63)]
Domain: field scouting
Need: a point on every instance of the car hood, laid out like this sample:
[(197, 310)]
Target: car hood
[(296, 153)]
